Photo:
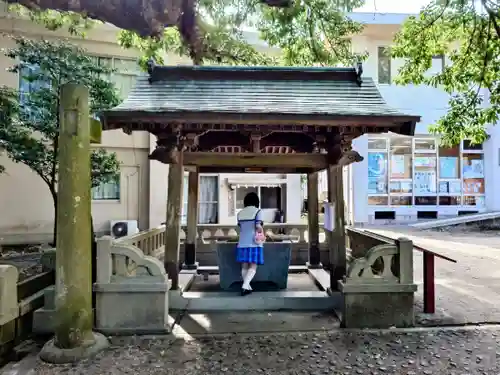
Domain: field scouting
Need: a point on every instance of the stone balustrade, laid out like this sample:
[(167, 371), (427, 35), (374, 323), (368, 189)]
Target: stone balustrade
[(152, 241), (378, 288), (127, 277)]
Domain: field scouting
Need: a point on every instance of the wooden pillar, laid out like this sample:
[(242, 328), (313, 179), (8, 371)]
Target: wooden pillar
[(192, 222), (337, 240), (313, 220), (173, 222)]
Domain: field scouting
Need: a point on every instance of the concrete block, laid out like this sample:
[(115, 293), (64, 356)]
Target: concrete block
[(274, 270), (132, 308), (44, 321), (375, 308), (48, 260), (49, 298)]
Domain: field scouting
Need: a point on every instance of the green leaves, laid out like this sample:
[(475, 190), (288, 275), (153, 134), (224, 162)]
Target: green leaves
[(29, 124), (310, 32), (74, 23), (470, 40)]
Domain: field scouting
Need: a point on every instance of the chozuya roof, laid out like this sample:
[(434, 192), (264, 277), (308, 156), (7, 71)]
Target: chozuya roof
[(326, 93)]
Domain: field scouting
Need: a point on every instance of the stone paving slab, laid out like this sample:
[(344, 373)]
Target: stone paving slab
[(253, 322), (431, 352)]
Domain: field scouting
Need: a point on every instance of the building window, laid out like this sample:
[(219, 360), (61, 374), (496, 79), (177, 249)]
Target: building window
[(400, 181), (125, 74), (29, 83), (270, 196), (384, 65), (208, 200), (377, 167), (418, 172), (107, 191)]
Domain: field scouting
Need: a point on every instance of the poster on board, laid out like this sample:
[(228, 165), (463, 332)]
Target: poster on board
[(329, 218)]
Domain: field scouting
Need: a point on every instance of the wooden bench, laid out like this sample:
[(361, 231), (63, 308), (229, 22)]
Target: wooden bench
[(429, 277)]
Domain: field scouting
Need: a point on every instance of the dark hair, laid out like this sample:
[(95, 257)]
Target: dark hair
[(251, 199)]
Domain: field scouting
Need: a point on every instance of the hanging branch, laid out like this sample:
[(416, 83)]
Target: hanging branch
[(145, 17)]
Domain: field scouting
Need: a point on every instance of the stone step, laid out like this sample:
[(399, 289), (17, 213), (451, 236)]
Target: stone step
[(257, 301), (49, 297)]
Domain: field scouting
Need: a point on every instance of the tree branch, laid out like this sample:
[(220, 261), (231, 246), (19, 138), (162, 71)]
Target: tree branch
[(493, 17)]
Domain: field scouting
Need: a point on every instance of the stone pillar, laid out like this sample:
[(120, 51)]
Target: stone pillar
[(192, 222), (313, 220), (74, 338), (337, 241), (173, 222)]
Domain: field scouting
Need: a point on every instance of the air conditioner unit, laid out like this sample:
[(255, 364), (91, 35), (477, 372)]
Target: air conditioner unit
[(123, 228)]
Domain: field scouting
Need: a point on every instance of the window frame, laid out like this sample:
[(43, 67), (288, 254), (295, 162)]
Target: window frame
[(185, 197), (259, 193), (438, 194), (118, 182), (384, 52)]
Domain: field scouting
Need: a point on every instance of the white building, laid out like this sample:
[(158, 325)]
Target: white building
[(405, 179)]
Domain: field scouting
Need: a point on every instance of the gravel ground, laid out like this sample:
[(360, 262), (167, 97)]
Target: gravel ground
[(445, 352)]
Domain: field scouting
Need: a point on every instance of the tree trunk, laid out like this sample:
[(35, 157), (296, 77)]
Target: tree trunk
[(147, 18)]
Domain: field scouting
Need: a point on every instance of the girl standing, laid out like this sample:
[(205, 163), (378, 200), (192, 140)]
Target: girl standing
[(250, 250)]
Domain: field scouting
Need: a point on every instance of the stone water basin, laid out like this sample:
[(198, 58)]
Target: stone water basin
[(272, 275)]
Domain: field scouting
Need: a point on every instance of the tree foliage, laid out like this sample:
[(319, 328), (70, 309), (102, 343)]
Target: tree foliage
[(309, 32), (29, 121), (467, 32), (74, 23)]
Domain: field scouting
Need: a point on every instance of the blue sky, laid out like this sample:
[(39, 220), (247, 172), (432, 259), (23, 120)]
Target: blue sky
[(393, 6)]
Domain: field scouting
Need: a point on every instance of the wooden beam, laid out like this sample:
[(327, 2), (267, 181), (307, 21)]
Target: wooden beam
[(337, 241), (259, 119), (192, 221), (273, 170), (313, 220), (173, 222), (255, 160)]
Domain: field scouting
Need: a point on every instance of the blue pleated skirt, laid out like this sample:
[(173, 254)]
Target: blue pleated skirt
[(250, 255)]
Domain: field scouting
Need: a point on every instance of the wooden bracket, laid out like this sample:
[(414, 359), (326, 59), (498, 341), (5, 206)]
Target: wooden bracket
[(191, 141), (255, 140)]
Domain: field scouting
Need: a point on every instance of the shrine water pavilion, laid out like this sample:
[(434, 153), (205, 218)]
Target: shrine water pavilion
[(254, 120)]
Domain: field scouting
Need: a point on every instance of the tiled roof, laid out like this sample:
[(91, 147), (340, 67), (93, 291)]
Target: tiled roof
[(335, 92)]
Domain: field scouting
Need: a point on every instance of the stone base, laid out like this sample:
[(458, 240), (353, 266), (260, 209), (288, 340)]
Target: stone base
[(44, 321), (52, 354), (132, 309), (378, 309), (190, 266), (314, 266)]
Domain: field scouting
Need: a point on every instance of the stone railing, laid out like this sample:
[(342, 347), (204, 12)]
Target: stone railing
[(378, 288), (207, 233), (152, 241), (127, 277)]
